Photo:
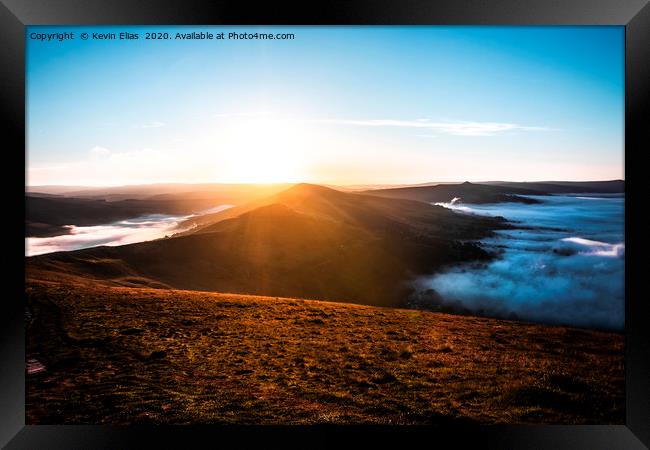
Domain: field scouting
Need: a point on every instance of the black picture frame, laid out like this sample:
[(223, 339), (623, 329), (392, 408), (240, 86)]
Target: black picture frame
[(15, 15)]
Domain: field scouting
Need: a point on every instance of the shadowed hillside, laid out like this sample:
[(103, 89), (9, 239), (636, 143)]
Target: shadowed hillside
[(497, 191), (308, 241), (467, 192), (566, 187), (47, 214)]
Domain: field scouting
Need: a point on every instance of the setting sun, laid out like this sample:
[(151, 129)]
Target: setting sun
[(260, 150)]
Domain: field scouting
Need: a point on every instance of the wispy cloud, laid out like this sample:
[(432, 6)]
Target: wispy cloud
[(427, 127), (99, 152), (152, 124), (242, 114), (458, 128)]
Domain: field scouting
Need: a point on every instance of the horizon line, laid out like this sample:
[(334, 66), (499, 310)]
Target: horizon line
[(318, 183)]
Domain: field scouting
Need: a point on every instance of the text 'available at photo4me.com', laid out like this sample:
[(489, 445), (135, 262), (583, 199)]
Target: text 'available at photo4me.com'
[(159, 36)]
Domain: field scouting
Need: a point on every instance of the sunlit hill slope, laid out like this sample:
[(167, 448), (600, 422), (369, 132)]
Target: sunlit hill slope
[(307, 241)]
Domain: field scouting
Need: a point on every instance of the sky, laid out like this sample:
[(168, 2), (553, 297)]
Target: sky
[(333, 105)]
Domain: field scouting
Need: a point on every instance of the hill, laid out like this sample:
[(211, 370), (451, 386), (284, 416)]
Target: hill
[(50, 215), (467, 193), (384, 215), (227, 193), (47, 214), (308, 241), (108, 355), (566, 187)]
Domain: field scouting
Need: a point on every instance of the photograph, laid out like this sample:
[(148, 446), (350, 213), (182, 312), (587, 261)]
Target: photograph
[(306, 225)]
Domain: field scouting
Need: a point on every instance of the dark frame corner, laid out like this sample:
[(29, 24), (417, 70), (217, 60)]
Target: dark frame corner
[(15, 15)]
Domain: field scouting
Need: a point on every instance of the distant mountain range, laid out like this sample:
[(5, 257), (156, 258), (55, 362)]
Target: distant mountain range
[(498, 191), (50, 208), (47, 213), (566, 187), (465, 192), (141, 191), (224, 191)]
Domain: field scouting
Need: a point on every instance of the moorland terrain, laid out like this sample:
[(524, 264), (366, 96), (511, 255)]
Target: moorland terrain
[(289, 308), (104, 354)]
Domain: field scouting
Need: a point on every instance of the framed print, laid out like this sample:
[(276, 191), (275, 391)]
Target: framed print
[(270, 222)]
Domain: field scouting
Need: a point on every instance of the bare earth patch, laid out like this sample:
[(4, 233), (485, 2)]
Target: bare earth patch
[(98, 354)]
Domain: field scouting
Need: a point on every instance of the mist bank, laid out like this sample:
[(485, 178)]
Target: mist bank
[(128, 231), (52, 210), (565, 265), (55, 216)]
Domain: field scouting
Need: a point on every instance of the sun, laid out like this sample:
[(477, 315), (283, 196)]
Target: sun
[(262, 150)]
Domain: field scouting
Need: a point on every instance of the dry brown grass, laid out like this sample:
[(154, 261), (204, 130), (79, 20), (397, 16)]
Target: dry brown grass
[(124, 355)]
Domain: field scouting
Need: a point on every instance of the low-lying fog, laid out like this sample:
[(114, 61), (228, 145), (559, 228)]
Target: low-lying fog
[(565, 267), (568, 268), (138, 229)]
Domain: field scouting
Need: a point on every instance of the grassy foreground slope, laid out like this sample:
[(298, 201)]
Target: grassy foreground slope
[(126, 355)]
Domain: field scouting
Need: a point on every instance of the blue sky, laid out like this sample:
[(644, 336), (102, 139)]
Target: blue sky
[(340, 105)]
